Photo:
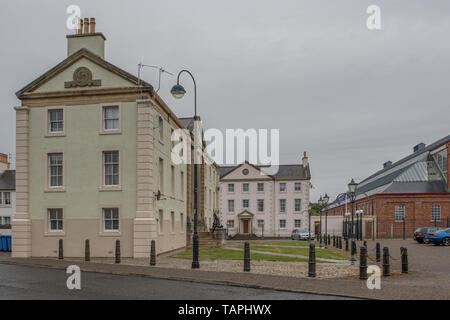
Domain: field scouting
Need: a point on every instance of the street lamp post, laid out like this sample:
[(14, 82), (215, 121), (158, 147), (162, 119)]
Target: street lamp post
[(178, 92), (320, 225), (352, 192)]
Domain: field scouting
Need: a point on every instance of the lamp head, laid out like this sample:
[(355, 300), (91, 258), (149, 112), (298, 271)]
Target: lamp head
[(178, 91), (320, 201), (325, 199), (352, 186)]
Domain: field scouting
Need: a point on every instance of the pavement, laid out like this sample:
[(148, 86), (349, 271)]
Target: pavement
[(34, 283), (428, 276)]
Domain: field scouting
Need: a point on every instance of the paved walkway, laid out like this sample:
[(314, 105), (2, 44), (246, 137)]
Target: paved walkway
[(418, 284)]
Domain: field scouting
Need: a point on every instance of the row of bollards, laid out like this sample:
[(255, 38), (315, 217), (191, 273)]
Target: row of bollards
[(87, 251), (386, 260)]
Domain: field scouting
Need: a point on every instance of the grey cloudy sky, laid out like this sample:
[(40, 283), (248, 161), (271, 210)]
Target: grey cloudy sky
[(351, 97)]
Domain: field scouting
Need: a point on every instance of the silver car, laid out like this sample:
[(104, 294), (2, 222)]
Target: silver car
[(301, 234)]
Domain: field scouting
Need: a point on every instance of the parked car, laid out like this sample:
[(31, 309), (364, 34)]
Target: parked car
[(301, 234), (420, 233), (441, 236)]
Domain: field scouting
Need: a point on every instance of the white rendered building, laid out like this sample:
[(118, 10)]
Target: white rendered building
[(254, 203)]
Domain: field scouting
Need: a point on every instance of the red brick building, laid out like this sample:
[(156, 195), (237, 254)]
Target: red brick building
[(410, 193)]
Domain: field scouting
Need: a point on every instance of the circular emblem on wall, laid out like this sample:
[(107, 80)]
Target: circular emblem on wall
[(82, 77), (245, 172)]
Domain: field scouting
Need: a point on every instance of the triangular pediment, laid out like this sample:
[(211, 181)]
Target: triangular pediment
[(246, 171), (81, 71), (245, 214)]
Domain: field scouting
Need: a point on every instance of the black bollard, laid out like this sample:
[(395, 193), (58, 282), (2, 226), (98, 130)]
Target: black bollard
[(117, 251), (386, 266), (312, 261), (353, 252), (340, 242), (153, 253), (334, 241), (365, 244), (404, 252), (378, 252), (60, 249), (87, 251), (346, 244), (329, 240), (363, 263), (247, 257)]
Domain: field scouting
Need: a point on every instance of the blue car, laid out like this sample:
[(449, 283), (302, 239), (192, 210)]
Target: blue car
[(440, 237)]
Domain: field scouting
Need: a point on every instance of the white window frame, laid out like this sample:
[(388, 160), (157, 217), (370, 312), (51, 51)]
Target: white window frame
[(231, 188), (295, 223), (295, 205), (172, 222), (160, 129), (7, 223), (112, 219), (103, 129), (282, 205), (433, 212), (258, 201), (104, 164), (285, 223), (57, 219), (248, 203), (161, 221), (181, 222), (295, 187), (260, 223), (285, 187), (231, 205), (399, 212), (172, 180), (48, 132), (258, 185), (182, 184), (243, 187), (230, 224), (51, 187)]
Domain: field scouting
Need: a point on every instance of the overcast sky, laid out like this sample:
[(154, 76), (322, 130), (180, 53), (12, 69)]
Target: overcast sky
[(351, 97)]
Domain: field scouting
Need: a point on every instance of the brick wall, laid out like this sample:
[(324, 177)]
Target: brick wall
[(417, 212)]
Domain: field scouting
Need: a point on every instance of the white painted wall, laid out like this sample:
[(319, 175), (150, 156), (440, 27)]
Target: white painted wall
[(271, 196), (7, 211)]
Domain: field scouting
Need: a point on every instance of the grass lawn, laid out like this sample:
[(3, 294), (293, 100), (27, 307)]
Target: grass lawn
[(227, 254), (284, 243), (320, 253)]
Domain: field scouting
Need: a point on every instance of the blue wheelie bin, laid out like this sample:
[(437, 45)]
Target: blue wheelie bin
[(2, 243), (8, 243)]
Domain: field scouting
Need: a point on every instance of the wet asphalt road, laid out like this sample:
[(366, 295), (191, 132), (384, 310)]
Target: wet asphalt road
[(21, 282)]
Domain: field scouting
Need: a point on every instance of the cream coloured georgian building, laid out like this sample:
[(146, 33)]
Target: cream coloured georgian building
[(93, 153), (255, 203), (208, 189)]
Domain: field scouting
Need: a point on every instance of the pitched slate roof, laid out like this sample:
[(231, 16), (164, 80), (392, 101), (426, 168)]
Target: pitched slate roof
[(415, 173), (8, 180), (287, 171)]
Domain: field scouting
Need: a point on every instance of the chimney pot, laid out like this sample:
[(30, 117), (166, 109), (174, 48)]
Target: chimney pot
[(86, 25), (80, 27), (92, 25)]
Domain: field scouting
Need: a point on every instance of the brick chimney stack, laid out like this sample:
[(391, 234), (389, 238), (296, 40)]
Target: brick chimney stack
[(86, 37), (92, 25), (305, 160), (4, 163)]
